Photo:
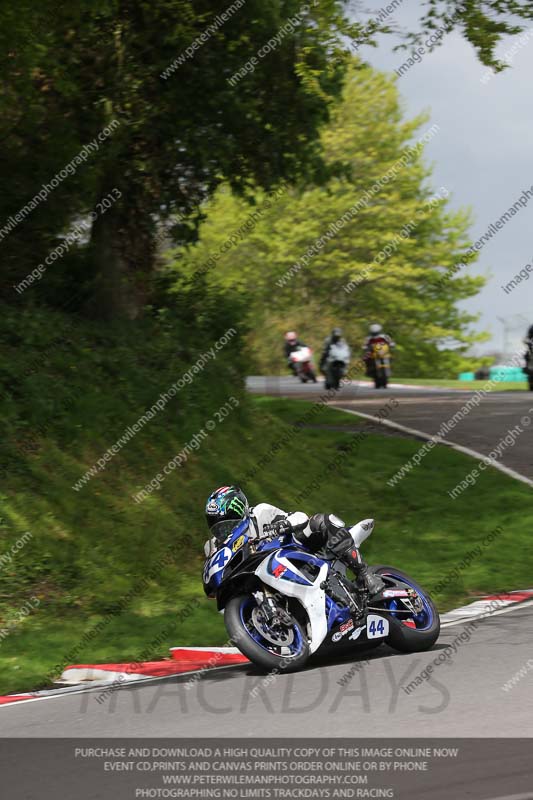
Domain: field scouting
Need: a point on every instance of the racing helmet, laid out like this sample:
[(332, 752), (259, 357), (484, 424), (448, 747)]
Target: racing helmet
[(291, 337), (224, 508), (336, 335), (375, 329)]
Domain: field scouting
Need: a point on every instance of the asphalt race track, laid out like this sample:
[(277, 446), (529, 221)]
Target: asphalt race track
[(370, 703), (425, 409)]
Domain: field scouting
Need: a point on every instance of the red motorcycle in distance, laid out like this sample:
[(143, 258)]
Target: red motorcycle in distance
[(301, 361)]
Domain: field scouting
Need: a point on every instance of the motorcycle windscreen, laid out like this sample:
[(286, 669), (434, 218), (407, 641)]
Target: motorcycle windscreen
[(231, 536)]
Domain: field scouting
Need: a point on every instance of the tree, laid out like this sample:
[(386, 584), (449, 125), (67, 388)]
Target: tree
[(163, 70), (195, 104), (483, 23), (378, 243)]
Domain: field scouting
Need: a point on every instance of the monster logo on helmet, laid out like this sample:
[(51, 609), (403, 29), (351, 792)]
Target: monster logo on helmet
[(226, 503)]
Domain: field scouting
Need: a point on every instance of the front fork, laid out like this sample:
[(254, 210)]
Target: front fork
[(270, 609)]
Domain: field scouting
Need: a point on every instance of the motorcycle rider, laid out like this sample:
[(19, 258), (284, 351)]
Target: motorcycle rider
[(528, 355), (321, 531), (334, 338), (292, 343), (375, 336)]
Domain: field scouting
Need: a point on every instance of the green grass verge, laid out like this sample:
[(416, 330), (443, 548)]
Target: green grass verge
[(501, 386), (90, 549)]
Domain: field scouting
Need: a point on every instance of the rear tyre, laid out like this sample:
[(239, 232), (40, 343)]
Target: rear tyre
[(402, 637), (285, 649)]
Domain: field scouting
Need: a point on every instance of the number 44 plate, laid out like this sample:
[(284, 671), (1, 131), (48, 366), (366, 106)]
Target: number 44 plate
[(376, 627)]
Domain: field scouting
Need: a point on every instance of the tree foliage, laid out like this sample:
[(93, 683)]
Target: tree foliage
[(388, 260), (483, 23), (71, 69)]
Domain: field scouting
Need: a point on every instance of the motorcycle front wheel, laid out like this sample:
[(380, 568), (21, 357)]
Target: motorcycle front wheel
[(336, 375), (381, 378), (281, 647)]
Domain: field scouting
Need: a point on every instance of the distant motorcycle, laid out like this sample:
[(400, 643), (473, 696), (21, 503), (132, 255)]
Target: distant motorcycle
[(528, 369), (336, 365), (301, 361), (380, 364), (283, 603)]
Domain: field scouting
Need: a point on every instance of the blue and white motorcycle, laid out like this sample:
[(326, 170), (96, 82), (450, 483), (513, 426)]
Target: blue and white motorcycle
[(283, 604)]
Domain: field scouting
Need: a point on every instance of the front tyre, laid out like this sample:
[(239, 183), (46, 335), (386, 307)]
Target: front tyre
[(381, 378), (336, 375), (282, 647), (409, 632)]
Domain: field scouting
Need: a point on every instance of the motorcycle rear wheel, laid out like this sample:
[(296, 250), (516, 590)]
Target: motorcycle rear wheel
[(402, 637), (252, 642)]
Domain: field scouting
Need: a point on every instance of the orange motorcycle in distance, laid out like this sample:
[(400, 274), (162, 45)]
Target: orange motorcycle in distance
[(380, 363)]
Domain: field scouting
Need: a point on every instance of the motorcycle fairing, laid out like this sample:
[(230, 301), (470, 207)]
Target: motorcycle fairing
[(281, 567)]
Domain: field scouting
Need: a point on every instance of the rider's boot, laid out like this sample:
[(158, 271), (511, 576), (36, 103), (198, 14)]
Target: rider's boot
[(341, 543)]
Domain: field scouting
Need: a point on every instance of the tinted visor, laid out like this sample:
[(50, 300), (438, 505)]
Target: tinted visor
[(221, 530)]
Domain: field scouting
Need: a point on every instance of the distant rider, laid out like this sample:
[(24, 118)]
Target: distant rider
[(375, 337), (322, 531), (528, 355), (335, 338), (292, 343)]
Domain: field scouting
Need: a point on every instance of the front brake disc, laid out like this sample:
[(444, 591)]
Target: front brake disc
[(277, 634)]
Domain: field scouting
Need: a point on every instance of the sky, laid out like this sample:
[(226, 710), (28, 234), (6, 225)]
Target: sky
[(482, 154)]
